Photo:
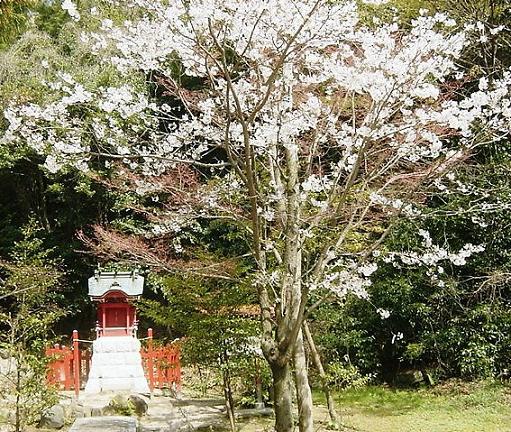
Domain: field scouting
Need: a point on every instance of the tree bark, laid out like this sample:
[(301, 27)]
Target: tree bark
[(303, 391), (283, 405), (258, 385), (229, 402), (322, 375), (17, 426)]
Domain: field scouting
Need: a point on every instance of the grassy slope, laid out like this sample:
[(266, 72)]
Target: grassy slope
[(483, 407)]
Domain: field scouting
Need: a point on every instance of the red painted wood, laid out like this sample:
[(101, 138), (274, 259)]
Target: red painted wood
[(117, 319), (161, 364), (60, 367), (76, 363), (103, 317)]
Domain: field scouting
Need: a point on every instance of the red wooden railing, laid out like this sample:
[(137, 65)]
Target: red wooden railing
[(161, 365), (62, 372)]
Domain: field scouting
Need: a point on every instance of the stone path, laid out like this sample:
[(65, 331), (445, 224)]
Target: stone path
[(105, 424), (164, 414)]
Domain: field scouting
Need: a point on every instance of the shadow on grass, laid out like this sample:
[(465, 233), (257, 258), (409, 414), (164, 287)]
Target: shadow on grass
[(449, 397), (382, 401)]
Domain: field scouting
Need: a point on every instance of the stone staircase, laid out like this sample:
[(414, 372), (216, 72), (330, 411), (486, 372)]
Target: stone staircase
[(116, 365), (105, 424)]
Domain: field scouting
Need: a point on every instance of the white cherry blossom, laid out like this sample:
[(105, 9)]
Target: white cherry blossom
[(71, 9)]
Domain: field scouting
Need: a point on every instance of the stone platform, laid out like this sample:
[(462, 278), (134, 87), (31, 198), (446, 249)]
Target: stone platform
[(116, 365)]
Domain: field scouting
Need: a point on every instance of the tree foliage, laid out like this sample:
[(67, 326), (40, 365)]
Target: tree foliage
[(29, 308)]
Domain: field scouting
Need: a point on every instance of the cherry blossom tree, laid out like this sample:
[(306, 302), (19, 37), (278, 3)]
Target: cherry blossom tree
[(315, 131)]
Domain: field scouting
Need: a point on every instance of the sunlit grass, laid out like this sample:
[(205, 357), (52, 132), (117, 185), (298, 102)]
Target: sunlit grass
[(453, 407)]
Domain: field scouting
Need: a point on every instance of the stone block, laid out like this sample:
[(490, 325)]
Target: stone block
[(105, 424), (54, 417), (139, 404)]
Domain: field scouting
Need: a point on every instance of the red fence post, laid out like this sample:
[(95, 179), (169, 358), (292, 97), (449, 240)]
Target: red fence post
[(159, 368), (76, 363), (67, 356), (150, 364), (178, 368)]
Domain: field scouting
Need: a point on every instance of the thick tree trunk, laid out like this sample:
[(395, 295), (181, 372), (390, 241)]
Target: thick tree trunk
[(303, 391), (282, 400), (322, 375)]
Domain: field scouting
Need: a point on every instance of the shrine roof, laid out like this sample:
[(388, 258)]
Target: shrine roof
[(130, 283)]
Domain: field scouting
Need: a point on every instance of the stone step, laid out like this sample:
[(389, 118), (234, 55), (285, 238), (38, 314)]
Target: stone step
[(177, 425), (105, 424), (253, 412), (177, 416), (156, 410), (163, 416)]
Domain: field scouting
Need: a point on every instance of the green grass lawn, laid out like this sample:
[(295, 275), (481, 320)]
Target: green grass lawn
[(452, 407)]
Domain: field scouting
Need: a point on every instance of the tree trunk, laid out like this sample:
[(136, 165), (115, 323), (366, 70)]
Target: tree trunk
[(319, 366), (258, 385), (283, 405), (303, 391), (17, 426), (229, 402)]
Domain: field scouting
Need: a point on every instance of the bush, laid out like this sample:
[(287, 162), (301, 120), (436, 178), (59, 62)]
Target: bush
[(341, 376), (477, 360)]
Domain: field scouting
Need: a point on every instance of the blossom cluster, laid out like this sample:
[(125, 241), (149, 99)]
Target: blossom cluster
[(60, 130), (400, 74), (431, 256), (71, 9), (281, 80), (345, 276)]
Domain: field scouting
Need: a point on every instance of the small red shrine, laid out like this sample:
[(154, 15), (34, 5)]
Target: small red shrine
[(119, 362), (115, 294)]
